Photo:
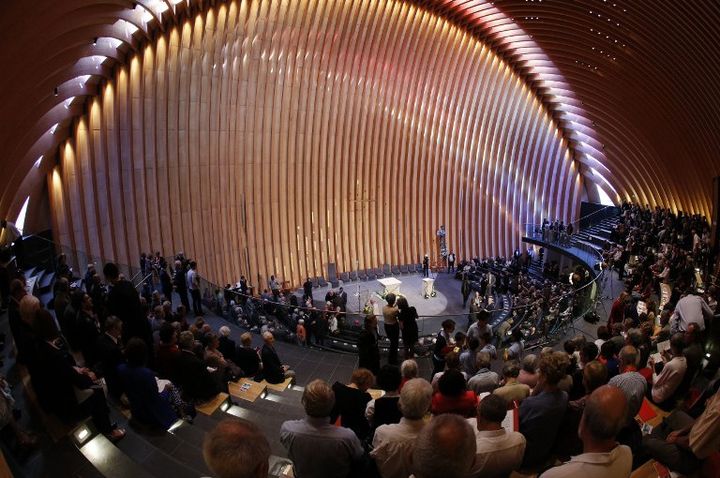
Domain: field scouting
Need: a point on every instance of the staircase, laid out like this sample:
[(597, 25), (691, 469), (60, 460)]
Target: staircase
[(596, 236)]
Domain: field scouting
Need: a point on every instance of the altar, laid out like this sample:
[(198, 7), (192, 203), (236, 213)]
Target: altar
[(391, 285)]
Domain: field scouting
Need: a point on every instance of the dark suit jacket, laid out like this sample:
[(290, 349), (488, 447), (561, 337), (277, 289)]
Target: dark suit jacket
[(191, 374), (109, 356), (124, 302), (248, 360), (53, 377), (272, 367), (227, 348)]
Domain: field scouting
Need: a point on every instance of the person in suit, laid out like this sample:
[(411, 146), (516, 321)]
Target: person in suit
[(167, 351), (307, 289), (123, 302), (368, 350), (227, 345), (108, 351), (87, 328), (64, 389), (190, 373), (274, 371), (180, 284), (426, 266), (342, 299), (247, 357)]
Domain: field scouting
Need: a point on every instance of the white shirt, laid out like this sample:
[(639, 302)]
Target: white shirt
[(192, 280), (615, 464), (392, 445), (499, 452), (665, 384)]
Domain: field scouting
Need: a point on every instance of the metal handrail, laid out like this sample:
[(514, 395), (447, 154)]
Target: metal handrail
[(604, 208)]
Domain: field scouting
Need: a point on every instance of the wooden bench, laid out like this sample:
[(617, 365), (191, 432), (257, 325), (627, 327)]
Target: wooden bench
[(209, 407), (246, 389), (278, 387)]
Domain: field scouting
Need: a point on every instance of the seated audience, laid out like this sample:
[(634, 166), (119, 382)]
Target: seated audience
[(214, 358), (607, 357), (236, 448), (247, 357), (273, 370), (512, 390), (453, 395), (393, 444), (64, 389), (528, 372), (630, 381), (604, 416), (444, 448), (148, 405), (588, 353), (408, 370), (385, 410), (452, 362), (666, 384), (567, 444), (87, 330), (485, 380), (317, 448), (351, 401), (681, 443), (109, 355), (226, 345), (541, 413), (190, 373), (499, 451), (167, 351)]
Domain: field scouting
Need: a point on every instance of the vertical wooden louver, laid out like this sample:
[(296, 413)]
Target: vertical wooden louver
[(275, 137)]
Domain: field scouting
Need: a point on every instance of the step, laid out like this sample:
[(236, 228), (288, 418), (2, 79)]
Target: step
[(111, 460), (160, 452), (46, 281), (44, 463)]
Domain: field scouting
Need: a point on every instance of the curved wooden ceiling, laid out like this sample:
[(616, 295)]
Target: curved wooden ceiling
[(279, 137), (632, 85)]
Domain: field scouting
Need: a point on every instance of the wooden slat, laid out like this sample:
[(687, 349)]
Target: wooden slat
[(276, 137)]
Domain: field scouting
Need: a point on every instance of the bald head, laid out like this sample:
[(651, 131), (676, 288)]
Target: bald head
[(445, 448), (629, 356), (604, 416), (237, 448)]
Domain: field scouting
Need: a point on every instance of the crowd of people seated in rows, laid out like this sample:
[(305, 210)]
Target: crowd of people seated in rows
[(575, 412), (112, 342)]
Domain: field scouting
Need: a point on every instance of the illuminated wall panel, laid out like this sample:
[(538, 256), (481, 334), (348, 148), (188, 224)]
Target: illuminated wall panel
[(275, 137)]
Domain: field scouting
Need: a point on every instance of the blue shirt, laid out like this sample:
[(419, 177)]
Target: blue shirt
[(540, 418)]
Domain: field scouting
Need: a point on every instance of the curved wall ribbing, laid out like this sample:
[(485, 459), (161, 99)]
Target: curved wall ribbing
[(276, 137)]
